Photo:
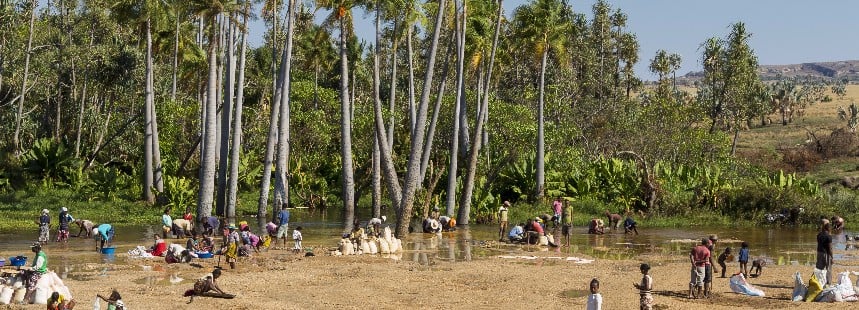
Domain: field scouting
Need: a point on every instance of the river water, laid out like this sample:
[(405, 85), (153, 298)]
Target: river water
[(779, 245)]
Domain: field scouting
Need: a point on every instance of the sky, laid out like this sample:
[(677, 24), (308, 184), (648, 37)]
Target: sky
[(783, 31)]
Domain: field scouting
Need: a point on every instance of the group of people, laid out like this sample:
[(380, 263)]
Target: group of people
[(596, 226), (103, 233), (436, 223), (534, 228)]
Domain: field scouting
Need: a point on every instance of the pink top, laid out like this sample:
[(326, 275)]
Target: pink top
[(537, 227), (701, 255), (557, 206)]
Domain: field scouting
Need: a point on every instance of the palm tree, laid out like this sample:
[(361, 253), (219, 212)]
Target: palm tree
[(541, 25), (237, 128), (19, 116), (342, 18)]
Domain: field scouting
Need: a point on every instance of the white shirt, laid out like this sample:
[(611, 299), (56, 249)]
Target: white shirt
[(176, 249), (296, 235), (594, 302)]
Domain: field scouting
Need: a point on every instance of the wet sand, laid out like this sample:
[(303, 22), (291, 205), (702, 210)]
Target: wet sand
[(278, 279)]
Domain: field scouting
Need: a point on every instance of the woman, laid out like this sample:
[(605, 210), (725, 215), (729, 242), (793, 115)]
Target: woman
[(204, 285), (159, 248), (824, 251), (39, 268), (232, 246)]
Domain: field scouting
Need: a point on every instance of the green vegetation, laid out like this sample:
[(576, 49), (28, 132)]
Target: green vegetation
[(120, 109)]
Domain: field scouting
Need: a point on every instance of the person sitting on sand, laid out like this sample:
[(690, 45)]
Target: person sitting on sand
[(207, 283), (595, 227), (193, 243), (207, 243), (32, 275), (60, 302), (757, 267), (114, 301), (357, 233), (159, 248), (516, 233), (85, 227)]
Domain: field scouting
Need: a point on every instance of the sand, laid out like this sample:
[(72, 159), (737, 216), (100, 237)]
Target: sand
[(279, 279)]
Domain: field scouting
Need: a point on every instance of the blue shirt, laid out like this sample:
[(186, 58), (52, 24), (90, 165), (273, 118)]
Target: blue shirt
[(516, 231), (744, 255), (283, 217), (166, 220)]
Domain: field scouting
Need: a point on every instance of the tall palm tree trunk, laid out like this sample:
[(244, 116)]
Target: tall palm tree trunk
[(417, 144), (226, 119), (541, 152), (377, 101), (147, 106), (468, 187), (346, 135), (281, 186), (237, 128), (175, 59), (411, 54), (208, 164), (19, 115), (392, 98), (434, 120), (457, 114)]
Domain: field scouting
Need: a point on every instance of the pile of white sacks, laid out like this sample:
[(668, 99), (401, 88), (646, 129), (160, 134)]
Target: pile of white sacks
[(386, 244), (12, 289)]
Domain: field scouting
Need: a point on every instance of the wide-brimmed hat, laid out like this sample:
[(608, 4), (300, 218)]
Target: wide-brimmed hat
[(232, 226), (507, 203), (714, 237), (64, 209), (44, 211)]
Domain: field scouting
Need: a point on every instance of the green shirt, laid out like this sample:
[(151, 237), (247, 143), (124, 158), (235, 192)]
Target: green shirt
[(568, 215), (40, 264)]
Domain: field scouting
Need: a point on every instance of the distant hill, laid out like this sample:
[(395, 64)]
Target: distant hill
[(848, 69)]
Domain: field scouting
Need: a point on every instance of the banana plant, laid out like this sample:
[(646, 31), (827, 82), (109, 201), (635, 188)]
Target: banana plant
[(180, 193)]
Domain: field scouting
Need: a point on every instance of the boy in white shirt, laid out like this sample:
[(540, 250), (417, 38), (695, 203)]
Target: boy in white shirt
[(296, 236), (595, 299)]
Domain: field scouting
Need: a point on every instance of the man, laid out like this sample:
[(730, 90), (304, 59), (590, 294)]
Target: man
[(824, 250), (710, 267), (699, 257), (502, 218), (516, 234), (567, 215), (210, 225), (283, 224), (182, 228), (613, 219)]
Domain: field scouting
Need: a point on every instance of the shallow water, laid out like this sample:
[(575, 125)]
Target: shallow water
[(779, 245)]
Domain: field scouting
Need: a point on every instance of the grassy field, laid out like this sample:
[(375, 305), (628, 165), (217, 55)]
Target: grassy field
[(765, 145)]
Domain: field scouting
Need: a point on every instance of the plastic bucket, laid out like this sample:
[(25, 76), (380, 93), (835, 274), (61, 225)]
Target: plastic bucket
[(109, 250), (205, 255), (19, 261)]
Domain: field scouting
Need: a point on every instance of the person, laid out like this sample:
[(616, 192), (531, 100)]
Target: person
[(375, 224), (357, 233), (431, 225), (31, 276), (595, 299), (64, 220), (283, 224), (824, 251), (208, 283), (104, 233), (758, 266), (516, 233), (188, 216), (837, 224), (596, 227), (557, 207), (535, 231), (613, 220), (60, 302), (85, 226), (114, 301), (710, 267), (296, 237), (182, 227), (210, 225), (644, 288), (744, 258), (44, 227), (159, 248), (231, 250), (166, 223), (435, 213), (447, 223), (699, 257), (567, 223), (193, 244), (178, 254), (502, 219), (726, 256), (629, 225), (249, 238)]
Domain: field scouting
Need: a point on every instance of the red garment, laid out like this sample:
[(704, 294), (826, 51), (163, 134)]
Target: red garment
[(701, 255), (188, 217), (537, 227), (160, 248)]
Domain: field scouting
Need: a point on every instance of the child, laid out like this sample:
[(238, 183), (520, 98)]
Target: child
[(60, 302), (744, 258), (757, 266), (644, 288), (114, 301), (296, 236), (630, 225), (595, 299), (725, 256), (204, 285)]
